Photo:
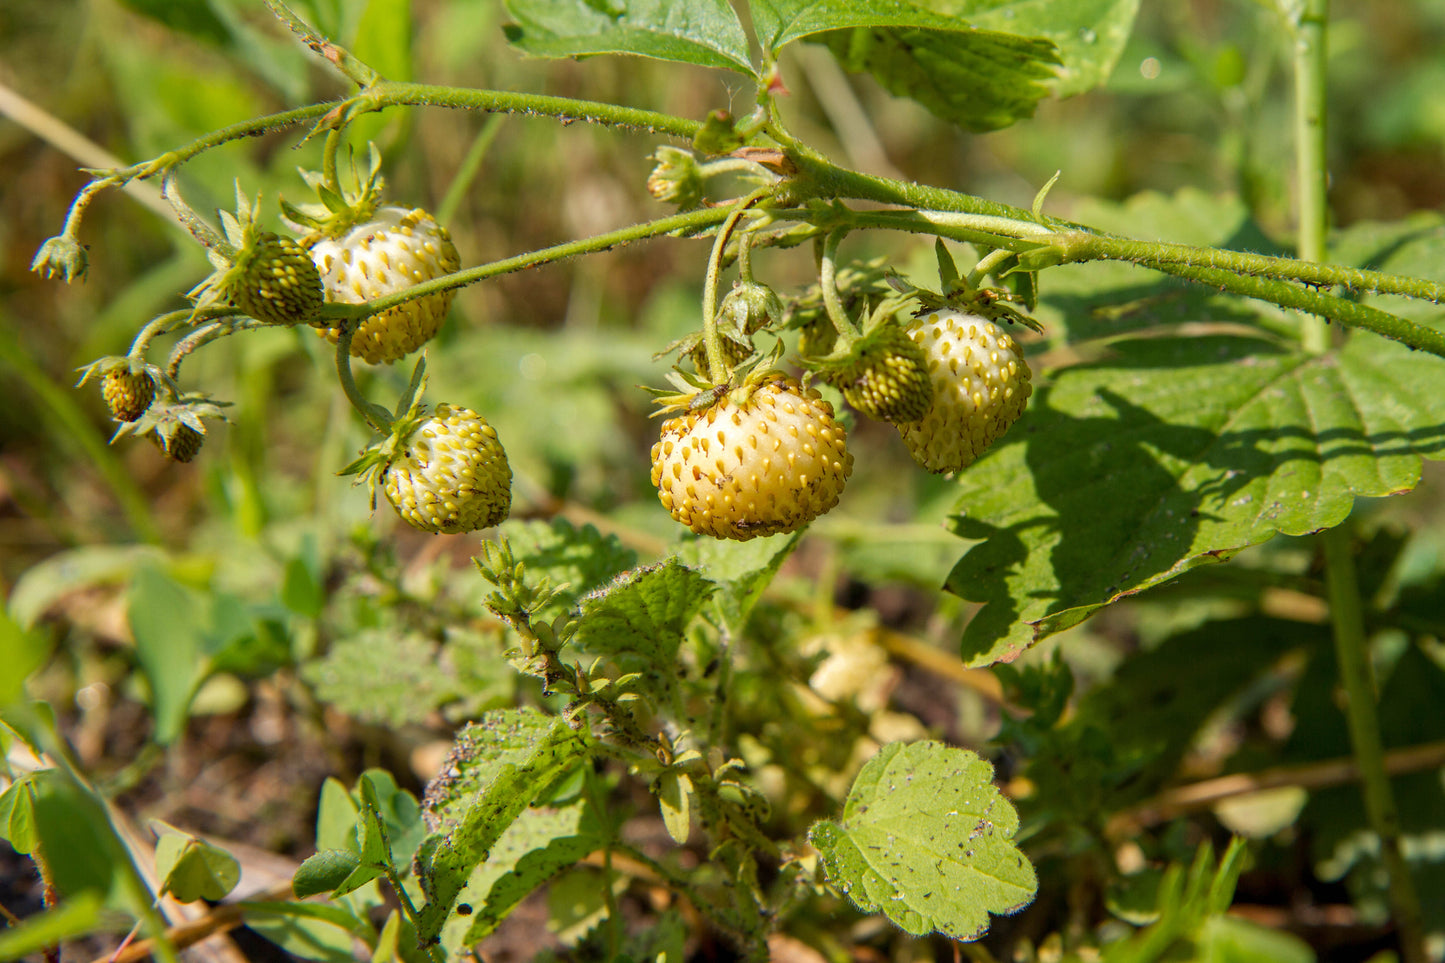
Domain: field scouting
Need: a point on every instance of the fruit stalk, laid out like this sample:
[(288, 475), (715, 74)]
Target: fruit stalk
[(717, 366), (828, 282), (686, 223), (376, 416)]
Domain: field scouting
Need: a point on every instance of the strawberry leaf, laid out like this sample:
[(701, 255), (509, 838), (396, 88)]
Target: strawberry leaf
[(497, 768), (639, 619), (1175, 452), (703, 32), (926, 839), (1090, 34)]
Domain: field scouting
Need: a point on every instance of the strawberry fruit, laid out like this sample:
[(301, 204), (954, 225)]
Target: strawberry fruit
[(449, 474), (980, 386), (766, 459), (393, 250)]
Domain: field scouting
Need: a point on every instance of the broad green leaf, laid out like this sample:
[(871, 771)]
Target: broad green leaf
[(740, 570), (1231, 939), (540, 844), (167, 620), (578, 903), (17, 815), (1090, 34), (73, 830), (190, 869), (311, 931), (497, 768), (21, 653), (1174, 452), (301, 592), (324, 871), (926, 839), (45, 583), (780, 22), (978, 79), (640, 618), (704, 32), (75, 917), (581, 559)]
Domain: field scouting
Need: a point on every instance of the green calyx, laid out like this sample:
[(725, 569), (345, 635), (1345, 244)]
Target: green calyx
[(176, 425), (338, 210), (881, 372)]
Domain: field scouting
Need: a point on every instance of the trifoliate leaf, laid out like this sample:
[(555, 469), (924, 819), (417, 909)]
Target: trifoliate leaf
[(927, 839), (190, 868)]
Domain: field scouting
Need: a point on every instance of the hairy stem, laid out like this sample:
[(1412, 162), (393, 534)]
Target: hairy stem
[(688, 223), (376, 416), (828, 282), (1311, 24)]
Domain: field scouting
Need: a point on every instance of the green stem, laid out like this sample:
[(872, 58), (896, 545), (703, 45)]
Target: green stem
[(828, 282), (395, 94), (204, 335), (687, 223), (987, 264), (1352, 652), (332, 147), (1074, 246), (375, 415), (468, 169), (717, 366), (1311, 23)]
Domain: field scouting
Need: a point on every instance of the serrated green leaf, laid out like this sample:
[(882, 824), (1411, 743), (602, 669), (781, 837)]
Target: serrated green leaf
[(324, 872), (1090, 34), (740, 570), (540, 844), (497, 768), (927, 839), (639, 620), (392, 678), (780, 22), (978, 79), (581, 559), (1173, 453), (190, 868), (703, 32)]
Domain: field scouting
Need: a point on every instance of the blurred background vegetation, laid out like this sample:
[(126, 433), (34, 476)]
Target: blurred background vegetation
[(552, 357)]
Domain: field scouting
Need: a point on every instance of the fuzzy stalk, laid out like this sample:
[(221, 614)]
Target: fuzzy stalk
[(1310, 21)]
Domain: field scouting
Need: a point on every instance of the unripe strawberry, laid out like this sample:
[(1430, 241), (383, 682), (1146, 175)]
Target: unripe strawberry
[(276, 281), (888, 377), (450, 474), (127, 393), (391, 252), (182, 444), (736, 348), (980, 385), (769, 463)]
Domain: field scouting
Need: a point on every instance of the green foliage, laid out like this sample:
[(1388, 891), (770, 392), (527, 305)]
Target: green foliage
[(651, 722), (926, 839)]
